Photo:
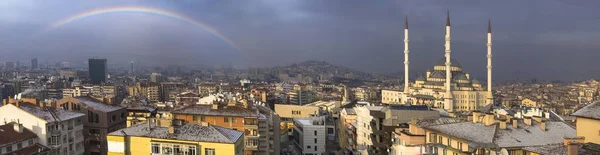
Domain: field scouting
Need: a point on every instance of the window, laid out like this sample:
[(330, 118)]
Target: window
[(209, 151), (226, 119), (202, 118), (19, 146), (449, 142), (122, 115), (315, 140), (166, 149), (315, 133), (233, 120), (308, 146), (177, 150), (9, 149), (315, 148), (329, 130), (191, 150), (30, 142), (195, 118), (155, 148), (113, 118)]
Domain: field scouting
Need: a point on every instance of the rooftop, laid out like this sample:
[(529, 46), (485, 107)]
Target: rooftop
[(590, 111), (9, 135), (187, 132), (98, 105), (523, 136), (49, 114), (560, 148), (222, 111)]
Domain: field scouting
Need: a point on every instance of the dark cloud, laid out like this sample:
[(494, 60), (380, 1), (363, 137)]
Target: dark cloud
[(547, 39)]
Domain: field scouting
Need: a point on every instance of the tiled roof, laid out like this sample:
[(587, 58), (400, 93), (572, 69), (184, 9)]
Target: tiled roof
[(525, 135), (207, 110), (9, 135), (50, 114), (98, 105), (590, 111), (187, 132)]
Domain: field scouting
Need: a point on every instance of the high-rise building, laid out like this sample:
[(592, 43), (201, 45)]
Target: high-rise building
[(34, 63), (131, 67), (97, 69), (156, 77)]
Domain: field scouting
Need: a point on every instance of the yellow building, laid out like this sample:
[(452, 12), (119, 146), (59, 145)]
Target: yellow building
[(529, 102), (391, 96), (588, 122), (488, 134), (164, 138)]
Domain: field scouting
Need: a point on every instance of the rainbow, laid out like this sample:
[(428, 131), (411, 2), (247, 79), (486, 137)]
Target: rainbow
[(145, 10)]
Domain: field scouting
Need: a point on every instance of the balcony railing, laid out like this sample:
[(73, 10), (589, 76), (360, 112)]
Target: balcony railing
[(55, 132)]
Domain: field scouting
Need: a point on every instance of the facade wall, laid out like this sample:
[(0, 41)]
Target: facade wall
[(391, 96), (589, 128), (295, 111), (142, 145), (363, 129), (236, 123)]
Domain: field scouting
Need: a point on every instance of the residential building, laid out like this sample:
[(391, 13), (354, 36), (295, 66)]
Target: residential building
[(205, 89), (310, 135), (138, 111), (57, 129), (371, 138), (490, 133), (391, 96), (150, 90), (411, 140), (588, 122), (167, 87), (156, 77), (167, 137), (298, 97), (347, 130), (269, 131), (101, 119), (98, 70), (17, 139), (224, 115)]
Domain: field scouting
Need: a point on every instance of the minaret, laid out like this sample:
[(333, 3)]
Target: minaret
[(490, 98), (406, 85), (448, 97)]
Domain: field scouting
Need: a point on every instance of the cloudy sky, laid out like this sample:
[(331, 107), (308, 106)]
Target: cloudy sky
[(547, 39)]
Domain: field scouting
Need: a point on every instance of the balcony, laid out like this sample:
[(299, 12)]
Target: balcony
[(55, 133), (251, 147)]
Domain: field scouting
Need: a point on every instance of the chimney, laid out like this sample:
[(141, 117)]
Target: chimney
[(215, 106), (515, 123), (527, 120), (543, 125), (567, 140), (150, 123), (476, 116), (572, 148), (171, 130), (204, 123), (503, 124), (489, 119), (18, 127)]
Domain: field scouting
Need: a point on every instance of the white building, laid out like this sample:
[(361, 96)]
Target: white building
[(57, 129), (310, 134), (448, 86)]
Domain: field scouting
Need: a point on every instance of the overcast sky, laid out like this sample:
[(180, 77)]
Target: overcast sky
[(547, 39)]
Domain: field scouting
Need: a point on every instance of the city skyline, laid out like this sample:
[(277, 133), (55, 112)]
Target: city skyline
[(530, 42)]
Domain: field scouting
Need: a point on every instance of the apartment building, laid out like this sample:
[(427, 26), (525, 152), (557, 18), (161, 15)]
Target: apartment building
[(489, 133), (57, 129), (227, 116), (269, 131), (391, 96), (158, 137), (150, 90), (371, 138), (588, 122), (310, 135), (347, 130), (101, 119)]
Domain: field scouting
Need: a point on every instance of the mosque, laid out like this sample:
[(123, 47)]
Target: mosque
[(447, 86)]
